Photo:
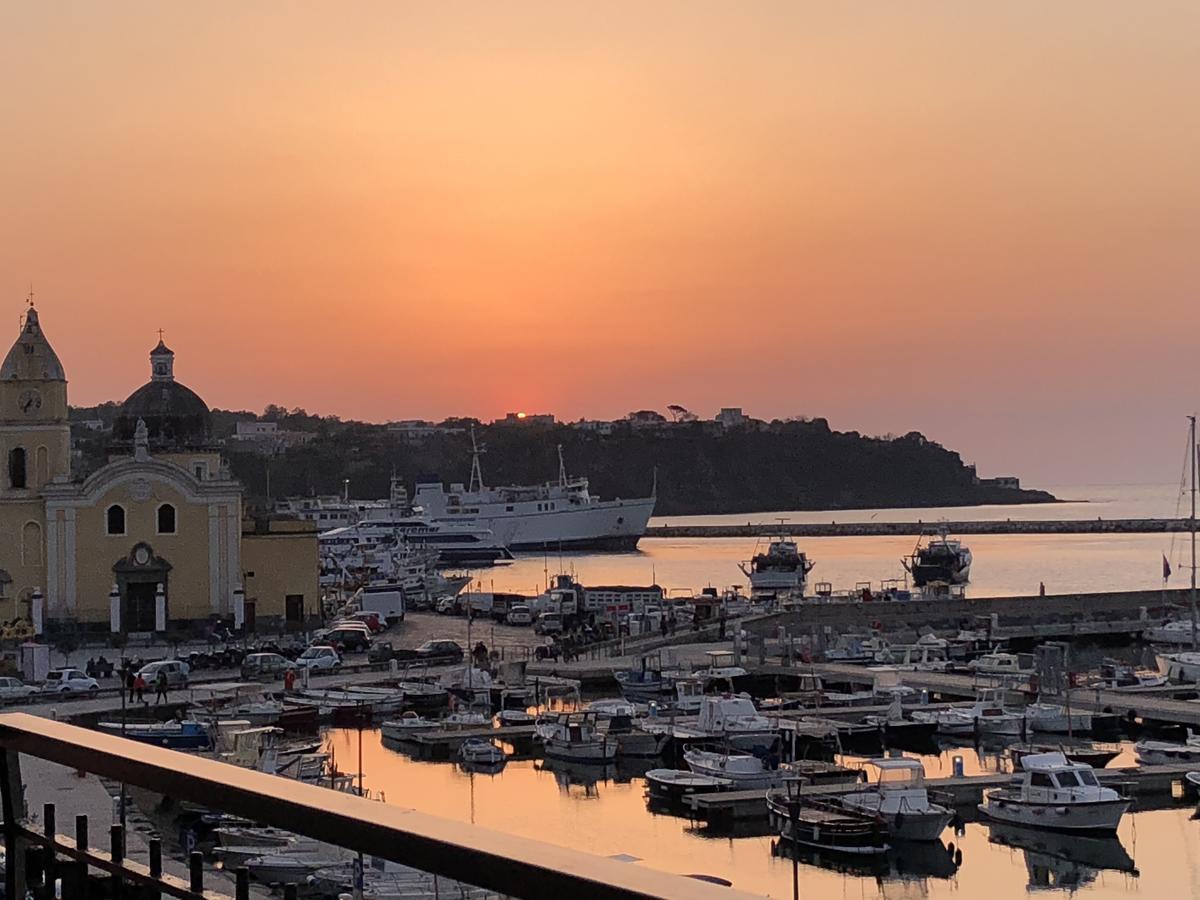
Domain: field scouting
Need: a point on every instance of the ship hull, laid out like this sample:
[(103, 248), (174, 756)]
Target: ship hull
[(609, 525)]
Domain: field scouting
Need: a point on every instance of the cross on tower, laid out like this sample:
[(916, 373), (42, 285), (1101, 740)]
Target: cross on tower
[(29, 299), (160, 335)]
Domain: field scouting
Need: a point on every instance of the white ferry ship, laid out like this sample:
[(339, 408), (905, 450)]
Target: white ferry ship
[(553, 515)]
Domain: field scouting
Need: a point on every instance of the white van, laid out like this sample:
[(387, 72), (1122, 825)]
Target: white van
[(519, 615)]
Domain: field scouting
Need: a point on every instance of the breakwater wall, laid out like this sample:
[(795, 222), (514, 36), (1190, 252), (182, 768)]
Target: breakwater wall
[(912, 529), (953, 613)]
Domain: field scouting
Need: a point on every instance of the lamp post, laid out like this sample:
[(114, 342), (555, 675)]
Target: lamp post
[(793, 796)]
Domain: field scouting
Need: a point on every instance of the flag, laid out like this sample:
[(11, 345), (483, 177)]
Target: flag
[(1166, 568)]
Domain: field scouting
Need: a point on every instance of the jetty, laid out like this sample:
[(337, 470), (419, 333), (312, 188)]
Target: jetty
[(913, 529)]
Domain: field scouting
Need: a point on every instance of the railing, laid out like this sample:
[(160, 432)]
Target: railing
[(505, 863)]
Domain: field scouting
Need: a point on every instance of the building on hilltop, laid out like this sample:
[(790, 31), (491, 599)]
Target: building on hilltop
[(151, 541)]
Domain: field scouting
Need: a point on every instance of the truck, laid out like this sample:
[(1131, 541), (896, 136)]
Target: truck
[(387, 600)]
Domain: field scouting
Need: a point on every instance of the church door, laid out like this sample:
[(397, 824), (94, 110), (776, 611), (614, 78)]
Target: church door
[(138, 611)]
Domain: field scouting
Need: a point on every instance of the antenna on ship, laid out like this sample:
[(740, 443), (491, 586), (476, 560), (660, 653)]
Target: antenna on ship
[(476, 472), (562, 469)]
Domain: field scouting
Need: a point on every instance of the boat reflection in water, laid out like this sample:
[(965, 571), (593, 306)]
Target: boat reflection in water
[(580, 780), (903, 860), (1058, 861)]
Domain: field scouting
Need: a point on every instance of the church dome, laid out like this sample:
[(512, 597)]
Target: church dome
[(176, 417)]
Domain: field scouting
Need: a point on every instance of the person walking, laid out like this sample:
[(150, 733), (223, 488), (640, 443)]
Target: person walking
[(160, 687), (139, 687), (289, 681), (129, 681)]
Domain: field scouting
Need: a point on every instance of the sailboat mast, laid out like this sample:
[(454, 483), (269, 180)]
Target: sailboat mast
[(1192, 523), (476, 473)]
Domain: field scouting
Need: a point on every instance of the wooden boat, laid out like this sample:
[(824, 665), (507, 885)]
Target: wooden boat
[(826, 826)]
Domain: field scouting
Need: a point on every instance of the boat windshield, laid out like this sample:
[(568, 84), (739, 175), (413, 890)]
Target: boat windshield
[(1067, 779), (1088, 778), (897, 777)]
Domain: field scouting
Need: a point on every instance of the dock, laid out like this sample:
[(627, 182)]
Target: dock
[(728, 807), (913, 529), (441, 744)]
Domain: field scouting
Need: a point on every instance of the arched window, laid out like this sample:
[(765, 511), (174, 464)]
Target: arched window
[(16, 468), (115, 519), (31, 544), (166, 519)]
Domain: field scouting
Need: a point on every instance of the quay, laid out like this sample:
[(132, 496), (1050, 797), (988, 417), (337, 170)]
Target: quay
[(912, 529), (727, 807)]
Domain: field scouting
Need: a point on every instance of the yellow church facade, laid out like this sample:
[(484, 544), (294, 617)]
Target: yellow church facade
[(154, 540)]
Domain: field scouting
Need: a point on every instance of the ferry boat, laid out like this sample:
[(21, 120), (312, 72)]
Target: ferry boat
[(941, 560), (556, 515), (780, 572), (1052, 792)]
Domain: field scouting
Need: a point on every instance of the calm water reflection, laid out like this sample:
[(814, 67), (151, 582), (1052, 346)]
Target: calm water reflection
[(603, 811)]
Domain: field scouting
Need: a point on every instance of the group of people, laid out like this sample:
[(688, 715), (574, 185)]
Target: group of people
[(136, 685)]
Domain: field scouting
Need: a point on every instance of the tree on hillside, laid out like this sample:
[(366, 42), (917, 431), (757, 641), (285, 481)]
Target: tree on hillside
[(681, 413)]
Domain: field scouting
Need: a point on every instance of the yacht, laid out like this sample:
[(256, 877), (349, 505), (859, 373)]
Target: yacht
[(780, 572), (556, 515), (1052, 792), (900, 799), (941, 560)]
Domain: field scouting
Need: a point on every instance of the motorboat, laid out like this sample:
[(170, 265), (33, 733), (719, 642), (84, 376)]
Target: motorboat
[(1000, 663), (1167, 753), (1180, 667), (721, 671), (941, 560), (900, 799), (1088, 753), (1119, 676), (407, 725), (423, 696), (897, 729), (1056, 719), (1052, 792), (185, 735), (825, 825), (456, 721), (574, 737), (986, 716), (1177, 632), (510, 717), (477, 750), (744, 770), (727, 715), (914, 657), (643, 684), (673, 785), (855, 648)]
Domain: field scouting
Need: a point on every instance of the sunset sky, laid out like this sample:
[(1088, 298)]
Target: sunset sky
[(980, 221)]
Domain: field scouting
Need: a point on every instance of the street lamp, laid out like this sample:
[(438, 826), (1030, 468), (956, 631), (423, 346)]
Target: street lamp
[(793, 804)]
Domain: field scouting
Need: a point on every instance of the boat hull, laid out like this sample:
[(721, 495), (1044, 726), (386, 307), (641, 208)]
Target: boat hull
[(1099, 817)]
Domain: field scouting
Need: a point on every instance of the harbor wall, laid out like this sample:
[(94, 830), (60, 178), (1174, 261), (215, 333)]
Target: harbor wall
[(953, 613), (912, 529)]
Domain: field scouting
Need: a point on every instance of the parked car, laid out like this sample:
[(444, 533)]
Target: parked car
[(14, 689), (374, 622), (548, 623), (68, 681), (347, 637), (449, 606), (319, 657), (177, 672), (519, 615), (270, 665), (448, 651)]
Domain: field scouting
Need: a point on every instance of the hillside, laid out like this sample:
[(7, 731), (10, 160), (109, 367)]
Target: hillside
[(700, 469)]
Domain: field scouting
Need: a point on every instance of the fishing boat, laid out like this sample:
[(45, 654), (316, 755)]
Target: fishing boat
[(674, 785), (186, 735), (940, 560), (825, 825), (899, 797), (477, 750), (781, 571), (746, 772), (574, 737), (1052, 792)]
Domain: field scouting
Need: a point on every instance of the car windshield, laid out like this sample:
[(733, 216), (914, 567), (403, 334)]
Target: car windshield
[(54, 676), (313, 652)]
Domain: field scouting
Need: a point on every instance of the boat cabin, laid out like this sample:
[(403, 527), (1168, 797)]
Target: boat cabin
[(1052, 778)]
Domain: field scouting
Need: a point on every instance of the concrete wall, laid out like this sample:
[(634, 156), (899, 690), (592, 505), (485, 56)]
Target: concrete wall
[(284, 558)]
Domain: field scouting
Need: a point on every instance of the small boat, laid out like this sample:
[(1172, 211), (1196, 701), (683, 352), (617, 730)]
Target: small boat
[(186, 735), (1089, 754), (574, 737), (998, 663), (745, 771), (1193, 781), (1055, 719), (987, 716), (1176, 631), (284, 868), (897, 729), (826, 826), (1180, 667), (1052, 792), (1167, 753), (1119, 676), (722, 671), (643, 684), (673, 785), (408, 724), (422, 696), (457, 721), (476, 750), (900, 799), (515, 717)]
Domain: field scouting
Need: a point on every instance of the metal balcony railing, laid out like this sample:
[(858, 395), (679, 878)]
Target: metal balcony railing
[(508, 864)]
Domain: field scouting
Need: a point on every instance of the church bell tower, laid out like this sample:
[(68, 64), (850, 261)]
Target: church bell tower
[(36, 436)]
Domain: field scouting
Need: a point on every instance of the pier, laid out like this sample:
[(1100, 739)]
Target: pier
[(912, 529)]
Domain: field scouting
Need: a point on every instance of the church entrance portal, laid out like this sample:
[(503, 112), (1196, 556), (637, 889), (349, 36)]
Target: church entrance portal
[(138, 576)]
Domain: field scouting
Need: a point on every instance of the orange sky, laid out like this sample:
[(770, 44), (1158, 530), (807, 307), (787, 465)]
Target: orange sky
[(976, 220)]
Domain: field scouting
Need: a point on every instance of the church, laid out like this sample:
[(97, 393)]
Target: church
[(152, 541)]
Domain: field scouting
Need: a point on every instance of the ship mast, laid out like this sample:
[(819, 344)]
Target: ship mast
[(476, 472), (1192, 523), (562, 469)]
